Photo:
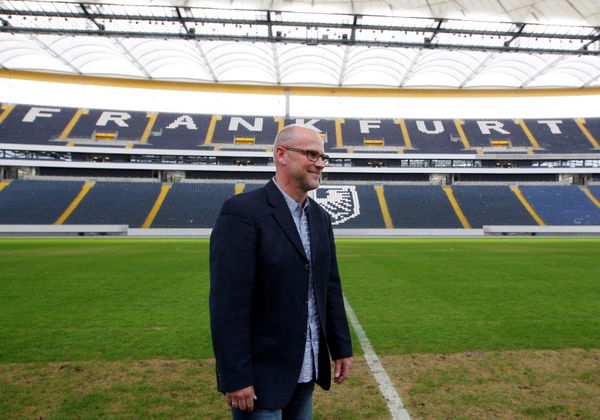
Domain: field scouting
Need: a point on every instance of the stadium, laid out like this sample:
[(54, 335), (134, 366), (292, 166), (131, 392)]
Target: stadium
[(463, 184)]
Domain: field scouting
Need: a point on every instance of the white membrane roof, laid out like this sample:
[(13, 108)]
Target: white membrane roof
[(461, 44)]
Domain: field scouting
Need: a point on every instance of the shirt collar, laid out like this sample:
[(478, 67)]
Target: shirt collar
[(292, 204)]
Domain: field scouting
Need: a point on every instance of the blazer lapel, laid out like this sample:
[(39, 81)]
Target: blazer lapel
[(315, 224), (281, 213)]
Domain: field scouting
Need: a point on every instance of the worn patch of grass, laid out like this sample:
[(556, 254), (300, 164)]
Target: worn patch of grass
[(153, 389), (548, 384)]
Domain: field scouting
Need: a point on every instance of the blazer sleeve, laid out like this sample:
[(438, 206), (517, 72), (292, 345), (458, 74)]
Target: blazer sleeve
[(232, 262), (338, 332)]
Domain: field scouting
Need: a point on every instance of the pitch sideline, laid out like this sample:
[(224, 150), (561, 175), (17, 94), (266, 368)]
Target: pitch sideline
[(393, 400)]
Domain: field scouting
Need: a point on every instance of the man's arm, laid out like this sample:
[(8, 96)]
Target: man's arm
[(232, 261), (338, 332)]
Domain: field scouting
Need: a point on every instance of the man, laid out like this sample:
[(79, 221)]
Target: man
[(276, 305)]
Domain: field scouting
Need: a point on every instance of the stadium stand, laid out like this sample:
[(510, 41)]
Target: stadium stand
[(36, 202), (178, 131), (116, 203), (371, 136), (31, 124), (433, 136), (98, 126), (193, 205), (28, 124), (562, 205), (489, 133), (252, 186), (595, 190), (245, 131), (366, 205), (415, 196), (420, 206), (562, 136), (491, 205)]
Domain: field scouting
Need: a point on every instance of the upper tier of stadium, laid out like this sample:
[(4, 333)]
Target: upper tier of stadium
[(47, 125)]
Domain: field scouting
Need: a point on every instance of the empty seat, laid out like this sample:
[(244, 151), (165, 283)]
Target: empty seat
[(36, 202), (193, 205), (491, 205), (420, 206), (116, 203), (562, 205)]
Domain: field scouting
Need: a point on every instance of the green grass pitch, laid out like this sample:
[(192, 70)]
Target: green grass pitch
[(130, 299)]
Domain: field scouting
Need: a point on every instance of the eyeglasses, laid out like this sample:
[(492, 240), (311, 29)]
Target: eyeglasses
[(311, 155)]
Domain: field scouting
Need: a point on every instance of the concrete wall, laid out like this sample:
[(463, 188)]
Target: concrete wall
[(124, 231)]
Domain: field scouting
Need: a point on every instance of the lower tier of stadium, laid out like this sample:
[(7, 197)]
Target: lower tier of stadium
[(354, 206)]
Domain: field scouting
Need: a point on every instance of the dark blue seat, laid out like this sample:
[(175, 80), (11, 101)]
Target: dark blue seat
[(491, 205), (116, 203), (420, 206), (562, 205), (36, 202), (481, 133), (559, 135), (30, 124), (434, 136), (193, 205)]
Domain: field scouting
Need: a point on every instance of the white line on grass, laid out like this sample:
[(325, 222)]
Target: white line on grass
[(392, 398)]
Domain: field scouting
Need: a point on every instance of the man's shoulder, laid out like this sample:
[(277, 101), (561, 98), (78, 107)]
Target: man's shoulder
[(249, 198)]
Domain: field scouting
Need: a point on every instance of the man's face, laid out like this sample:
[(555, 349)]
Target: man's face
[(305, 173)]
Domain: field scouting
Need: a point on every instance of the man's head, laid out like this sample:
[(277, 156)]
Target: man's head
[(297, 153)]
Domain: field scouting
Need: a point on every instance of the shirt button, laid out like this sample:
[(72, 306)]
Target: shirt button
[(306, 266), (304, 335), (306, 301)]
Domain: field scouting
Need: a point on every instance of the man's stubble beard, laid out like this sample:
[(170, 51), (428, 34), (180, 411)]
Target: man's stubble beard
[(304, 183)]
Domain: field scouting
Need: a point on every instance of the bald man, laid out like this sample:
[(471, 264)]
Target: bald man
[(277, 312)]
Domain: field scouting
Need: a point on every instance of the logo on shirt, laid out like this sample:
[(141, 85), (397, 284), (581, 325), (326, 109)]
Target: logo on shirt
[(340, 201)]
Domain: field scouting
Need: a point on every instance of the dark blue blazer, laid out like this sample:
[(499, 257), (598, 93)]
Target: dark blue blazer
[(258, 296)]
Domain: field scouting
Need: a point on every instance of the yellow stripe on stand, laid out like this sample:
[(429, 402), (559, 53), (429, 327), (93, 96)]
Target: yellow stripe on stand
[(528, 133), (582, 127), (456, 207), (3, 185), (84, 190), (461, 134), (405, 135), (156, 207), (239, 188), (385, 212), (152, 116), (584, 189), (527, 206), (339, 141), (211, 129), (280, 123), (72, 123), (6, 109)]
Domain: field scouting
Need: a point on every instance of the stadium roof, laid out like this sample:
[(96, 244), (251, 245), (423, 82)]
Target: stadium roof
[(461, 44)]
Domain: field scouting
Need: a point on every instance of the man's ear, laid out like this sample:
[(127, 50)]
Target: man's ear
[(280, 154)]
